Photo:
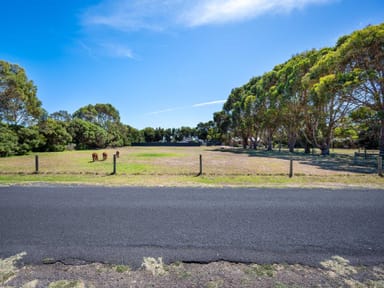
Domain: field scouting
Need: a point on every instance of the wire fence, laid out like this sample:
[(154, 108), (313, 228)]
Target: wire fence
[(193, 162)]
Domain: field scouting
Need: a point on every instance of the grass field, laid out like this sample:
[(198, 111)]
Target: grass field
[(179, 166)]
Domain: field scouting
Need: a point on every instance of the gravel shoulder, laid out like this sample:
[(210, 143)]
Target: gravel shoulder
[(336, 272)]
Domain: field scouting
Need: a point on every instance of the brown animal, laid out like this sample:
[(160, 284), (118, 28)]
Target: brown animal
[(95, 157), (105, 156), (117, 154)]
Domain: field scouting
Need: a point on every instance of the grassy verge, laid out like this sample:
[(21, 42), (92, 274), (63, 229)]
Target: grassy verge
[(366, 181)]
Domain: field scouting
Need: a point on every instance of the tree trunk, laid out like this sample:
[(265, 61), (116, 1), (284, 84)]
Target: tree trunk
[(381, 139), (269, 141), (270, 146), (245, 142), (324, 151), (292, 143), (325, 147), (307, 148)]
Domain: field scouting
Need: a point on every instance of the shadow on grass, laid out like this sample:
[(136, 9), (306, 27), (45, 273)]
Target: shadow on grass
[(333, 162)]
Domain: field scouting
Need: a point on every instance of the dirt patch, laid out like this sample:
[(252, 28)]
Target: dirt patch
[(335, 272)]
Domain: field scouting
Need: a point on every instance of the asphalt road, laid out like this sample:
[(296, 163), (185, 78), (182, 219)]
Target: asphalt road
[(122, 225)]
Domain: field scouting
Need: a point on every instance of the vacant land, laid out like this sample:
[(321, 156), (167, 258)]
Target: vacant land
[(175, 166)]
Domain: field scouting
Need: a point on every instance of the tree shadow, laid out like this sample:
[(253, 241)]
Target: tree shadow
[(333, 162)]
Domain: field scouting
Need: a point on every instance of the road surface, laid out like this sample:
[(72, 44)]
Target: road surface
[(79, 224)]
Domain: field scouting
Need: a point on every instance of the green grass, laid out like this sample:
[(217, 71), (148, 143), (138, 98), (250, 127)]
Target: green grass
[(121, 268), (155, 155), (261, 270)]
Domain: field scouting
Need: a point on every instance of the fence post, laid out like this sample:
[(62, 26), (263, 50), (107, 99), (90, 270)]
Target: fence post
[(290, 168), (201, 165), (380, 165), (36, 164), (114, 164)]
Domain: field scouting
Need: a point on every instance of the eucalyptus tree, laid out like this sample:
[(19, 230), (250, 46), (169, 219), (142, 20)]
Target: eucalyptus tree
[(293, 94), (87, 135), (107, 118), (19, 104), (61, 115), (100, 114), (329, 100), (255, 107), (232, 109), (221, 129), (269, 106), (360, 56)]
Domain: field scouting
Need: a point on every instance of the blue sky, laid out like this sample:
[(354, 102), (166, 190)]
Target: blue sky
[(165, 63)]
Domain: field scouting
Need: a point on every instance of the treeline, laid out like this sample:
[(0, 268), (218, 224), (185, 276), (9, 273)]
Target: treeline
[(25, 126), (318, 98)]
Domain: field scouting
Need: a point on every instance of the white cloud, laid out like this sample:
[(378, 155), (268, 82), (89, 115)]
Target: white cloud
[(222, 11), (209, 103), (130, 15), (117, 50), (183, 108), (106, 49), (165, 110)]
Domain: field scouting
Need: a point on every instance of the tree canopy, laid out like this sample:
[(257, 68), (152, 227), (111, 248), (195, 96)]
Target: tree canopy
[(18, 101), (311, 95)]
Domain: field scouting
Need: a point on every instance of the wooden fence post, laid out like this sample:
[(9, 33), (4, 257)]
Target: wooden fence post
[(290, 168), (114, 164), (201, 166), (36, 164), (380, 165)]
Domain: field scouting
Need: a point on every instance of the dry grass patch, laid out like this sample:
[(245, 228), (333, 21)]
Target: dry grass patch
[(8, 268)]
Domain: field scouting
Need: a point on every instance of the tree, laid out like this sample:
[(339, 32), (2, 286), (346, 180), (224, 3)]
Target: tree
[(368, 126), (87, 135), (107, 117), (294, 94), (100, 114), (19, 104), (270, 106), (361, 57), (61, 115), (55, 135), (149, 134), (329, 105), (134, 135), (29, 139), (8, 141)]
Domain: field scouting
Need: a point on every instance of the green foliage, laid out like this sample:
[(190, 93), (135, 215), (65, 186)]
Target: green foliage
[(87, 135), (100, 114), (55, 135), (29, 139), (8, 141), (309, 96), (18, 101), (61, 115)]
